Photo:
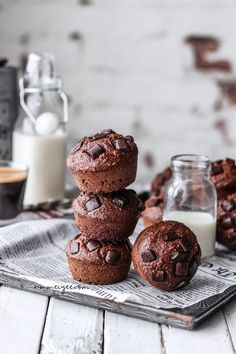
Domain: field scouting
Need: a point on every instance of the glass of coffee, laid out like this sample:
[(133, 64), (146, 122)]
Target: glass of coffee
[(13, 178)]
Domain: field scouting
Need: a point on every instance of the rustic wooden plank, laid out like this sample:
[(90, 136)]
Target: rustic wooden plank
[(124, 334), (230, 316), (72, 328), (22, 316), (211, 337)]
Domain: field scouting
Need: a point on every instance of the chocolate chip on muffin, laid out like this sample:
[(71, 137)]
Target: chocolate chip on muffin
[(74, 247), (167, 255), (119, 199), (104, 162), (98, 262), (92, 203), (92, 245), (129, 137), (112, 257), (95, 151), (102, 134), (112, 215), (226, 221), (223, 175), (121, 144)]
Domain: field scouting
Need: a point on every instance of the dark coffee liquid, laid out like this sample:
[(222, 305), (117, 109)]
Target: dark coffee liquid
[(12, 188)]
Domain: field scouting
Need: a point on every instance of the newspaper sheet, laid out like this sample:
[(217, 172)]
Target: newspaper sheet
[(34, 250)]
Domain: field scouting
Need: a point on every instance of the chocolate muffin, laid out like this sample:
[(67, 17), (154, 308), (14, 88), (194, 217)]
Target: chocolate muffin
[(104, 162), (223, 175), (110, 216), (98, 262), (159, 182), (153, 211), (167, 255), (226, 222)]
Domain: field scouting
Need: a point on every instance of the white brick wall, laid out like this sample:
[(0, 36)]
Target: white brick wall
[(130, 69)]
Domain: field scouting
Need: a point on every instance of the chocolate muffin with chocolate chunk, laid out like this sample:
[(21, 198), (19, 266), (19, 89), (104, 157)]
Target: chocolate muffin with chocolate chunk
[(226, 221), (104, 162), (167, 255), (158, 184), (153, 211), (110, 216), (223, 175), (98, 262)]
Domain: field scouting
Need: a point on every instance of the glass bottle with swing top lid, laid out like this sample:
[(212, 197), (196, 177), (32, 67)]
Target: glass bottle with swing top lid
[(39, 139), (190, 198)]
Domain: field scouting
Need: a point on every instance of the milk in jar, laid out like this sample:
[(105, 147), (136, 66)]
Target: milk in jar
[(45, 155), (190, 198), (39, 138), (202, 224)]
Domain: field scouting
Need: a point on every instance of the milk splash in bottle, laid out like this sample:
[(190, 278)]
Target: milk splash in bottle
[(39, 139)]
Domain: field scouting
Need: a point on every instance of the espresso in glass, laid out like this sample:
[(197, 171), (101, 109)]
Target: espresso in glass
[(13, 178)]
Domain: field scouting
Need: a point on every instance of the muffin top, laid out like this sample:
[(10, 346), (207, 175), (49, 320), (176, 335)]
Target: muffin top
[(99, 252), (120, 205), (164, 240), (101, 151), (223, 173), (167, 254)]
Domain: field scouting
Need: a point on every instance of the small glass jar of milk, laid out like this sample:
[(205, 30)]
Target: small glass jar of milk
[(39, 138), (190, 198)]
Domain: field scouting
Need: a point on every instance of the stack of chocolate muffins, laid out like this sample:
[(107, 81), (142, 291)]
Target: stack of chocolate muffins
[(106, 213)]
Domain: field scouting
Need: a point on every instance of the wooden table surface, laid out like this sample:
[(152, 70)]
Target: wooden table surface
[(31, 324)]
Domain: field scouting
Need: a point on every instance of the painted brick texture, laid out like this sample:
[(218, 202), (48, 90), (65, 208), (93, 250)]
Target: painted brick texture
[(130, 65)]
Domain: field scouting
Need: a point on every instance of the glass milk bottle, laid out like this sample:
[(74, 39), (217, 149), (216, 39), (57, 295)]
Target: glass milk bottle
[(39, 138), (190, 198)]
